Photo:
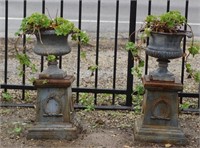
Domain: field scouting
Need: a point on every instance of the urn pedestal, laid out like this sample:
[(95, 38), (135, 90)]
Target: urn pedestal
[(55, 118), (159, 122)]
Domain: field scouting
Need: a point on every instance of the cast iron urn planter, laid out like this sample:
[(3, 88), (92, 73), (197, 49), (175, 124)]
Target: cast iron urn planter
[(48, 43), (55, 117), (159, 122), (164, 46)]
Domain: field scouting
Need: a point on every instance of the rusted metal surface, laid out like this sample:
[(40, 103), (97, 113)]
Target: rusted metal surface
[(162, 85), (54, 110), (159, 122), (54, 83)]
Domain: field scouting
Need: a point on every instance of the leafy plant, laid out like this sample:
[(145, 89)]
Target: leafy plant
[(87, 101), (17, 130), (184, 105), (35, 24), (137, 99), (7, 96), (51, 58), (193, 73), (170, 22), (92, 68)]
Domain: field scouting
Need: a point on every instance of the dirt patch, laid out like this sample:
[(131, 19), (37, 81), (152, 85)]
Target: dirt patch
[(112, 129), (100, 128)]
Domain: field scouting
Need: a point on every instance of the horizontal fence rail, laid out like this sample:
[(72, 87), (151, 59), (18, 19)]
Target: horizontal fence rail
[(128, 92)]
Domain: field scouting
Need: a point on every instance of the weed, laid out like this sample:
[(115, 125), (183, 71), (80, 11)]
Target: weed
[(92, 68), (7, 96), (184, 105), (87, 100), (18, 128), (28, 96)]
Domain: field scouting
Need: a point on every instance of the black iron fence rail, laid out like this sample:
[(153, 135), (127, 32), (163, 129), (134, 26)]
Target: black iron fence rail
[(129, 84)]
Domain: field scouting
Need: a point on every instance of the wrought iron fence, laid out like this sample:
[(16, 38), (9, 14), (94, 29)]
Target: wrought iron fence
[(128, 92)]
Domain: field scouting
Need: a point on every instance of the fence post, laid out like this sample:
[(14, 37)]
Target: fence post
[(132, 26)]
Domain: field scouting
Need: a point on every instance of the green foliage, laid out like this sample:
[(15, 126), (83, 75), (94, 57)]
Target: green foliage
[(63, 27), (184, 105), (17, 130), (24, 60), (139, 89), (169, 22), (139, 63), (45, 81), (193, 73), (188, 68), (38, 22), (87, 101), (194, 50), (130, 46), (83, 54), (197, 76), (7, 96), (28, 96), (92, 68), (137, 99), (33, 23), (51, 58)]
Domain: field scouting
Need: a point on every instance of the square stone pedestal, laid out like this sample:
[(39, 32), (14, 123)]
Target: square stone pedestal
[(55, 118), (159, 122)]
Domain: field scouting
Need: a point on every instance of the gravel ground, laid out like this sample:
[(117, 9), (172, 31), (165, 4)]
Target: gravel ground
[(101, 128), (112, 129)]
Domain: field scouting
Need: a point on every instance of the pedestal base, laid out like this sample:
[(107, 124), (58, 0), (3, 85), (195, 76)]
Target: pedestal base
[(53, 131), (159, 134), (55, 117), (159, 122)]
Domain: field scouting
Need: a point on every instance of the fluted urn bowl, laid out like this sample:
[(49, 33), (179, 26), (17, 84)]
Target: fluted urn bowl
[(48, 43), (164, 46)]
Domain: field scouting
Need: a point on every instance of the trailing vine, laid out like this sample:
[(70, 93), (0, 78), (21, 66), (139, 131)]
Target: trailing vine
[(170, 22), (37, 23)]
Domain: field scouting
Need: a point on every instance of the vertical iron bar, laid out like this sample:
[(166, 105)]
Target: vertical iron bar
[(97, 48), (42, 57), (24, 51), (61, 8), (79, 51), (146, 56), (115, 49), (61, 15), (199, 98), (184, 47), (6, 44), (168, 5), (132, 26)]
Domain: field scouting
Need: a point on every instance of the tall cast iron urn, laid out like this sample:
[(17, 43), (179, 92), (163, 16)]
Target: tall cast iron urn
[(159, 122), (55, 118)]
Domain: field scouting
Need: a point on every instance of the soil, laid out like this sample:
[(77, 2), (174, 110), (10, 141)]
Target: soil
[(112, 129)]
